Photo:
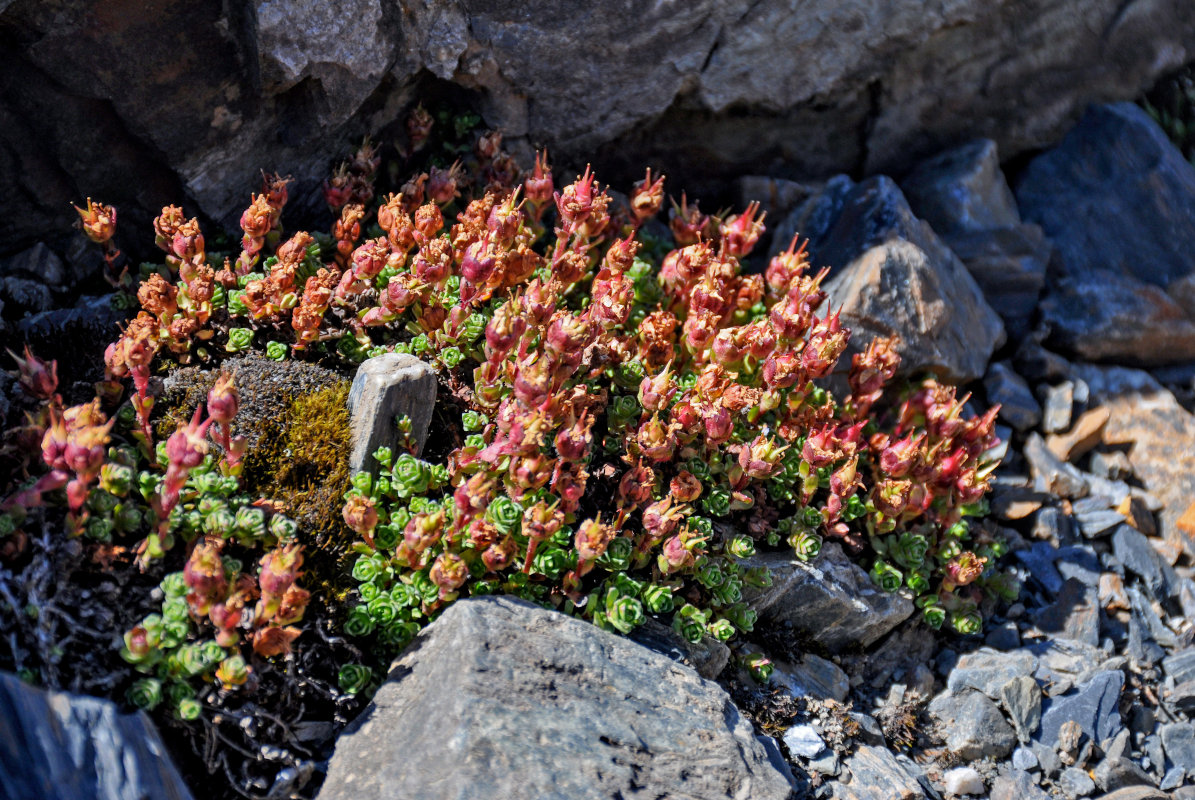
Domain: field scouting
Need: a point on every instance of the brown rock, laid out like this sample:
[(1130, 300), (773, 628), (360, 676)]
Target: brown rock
[(1169, 551), (1112, 594), (1081, 438), (1161, 435)]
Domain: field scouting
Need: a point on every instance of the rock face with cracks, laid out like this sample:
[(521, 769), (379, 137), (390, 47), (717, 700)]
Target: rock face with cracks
[(502, 694), (139, 107)]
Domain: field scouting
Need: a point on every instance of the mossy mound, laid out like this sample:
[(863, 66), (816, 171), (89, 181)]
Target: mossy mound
[(296, 420)]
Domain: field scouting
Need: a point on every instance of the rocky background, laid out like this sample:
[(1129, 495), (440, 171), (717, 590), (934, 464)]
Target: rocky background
[(958, 166)]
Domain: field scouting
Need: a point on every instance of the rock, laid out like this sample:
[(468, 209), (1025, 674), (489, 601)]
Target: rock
[(1009, 265), (1039, 560), (1057, 407), (1160, 435), (1005, 636), (23, 296), (709, 656), (386, 387), (1074, 782), (1021, 698), (1085, 435), (1118, 772), (1111, 592), (892, 275), (1107, 316), (542, 704), (1134, 551), (1178, 739), (39, 263), (962, 194), (963, 780), (1172, 779), (1023, 759), (988, 671), (1073, 615), (830, 600), (1137, 514), (1181, 665), (1136, 793), (1037, 364), (1113, 465), (777, 198), (962, 189), (972, 725), (1050, 473), (75, 335), (1079, 562), (72, 747), (1018, 786), (1117, 193), (803, 741), (1018, 406), (876, 775), (813, 676), (1094, 706), (869, 730), (1144, 610)]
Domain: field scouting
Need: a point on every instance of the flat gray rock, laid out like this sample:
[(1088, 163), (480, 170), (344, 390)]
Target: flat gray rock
[(989, 671), (875, 774), (973, 725), (502, 698), (1094, 706), (830, 600), (70, 747)]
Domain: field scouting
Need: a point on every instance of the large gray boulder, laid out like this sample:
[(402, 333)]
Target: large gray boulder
[(502, 698), (893, 276), (70, 747), (190, 101)]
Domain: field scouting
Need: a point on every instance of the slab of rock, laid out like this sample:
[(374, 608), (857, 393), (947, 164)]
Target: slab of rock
[(875, 774), (525, 702), (1075, 783), (1052, 474), (1074, 614), (972, 725), (1018, 407), (1107, 316), (962, 189), (803, 741), (1160, 434), (1017, 786), (963, 780), (1021, 698), (813, 676), (892, 275), (1135, 552), (1115, 193), (76, 335), (386, 387), (1080, 439), (988, 671), (71, 747), (1178, 739), (1094, 706), (830, 600)]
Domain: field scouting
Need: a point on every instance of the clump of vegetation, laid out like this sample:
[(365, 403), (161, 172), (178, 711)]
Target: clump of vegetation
[(627, 416)]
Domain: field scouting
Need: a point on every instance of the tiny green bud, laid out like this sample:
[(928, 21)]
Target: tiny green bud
[(276, 350), (238, 339)]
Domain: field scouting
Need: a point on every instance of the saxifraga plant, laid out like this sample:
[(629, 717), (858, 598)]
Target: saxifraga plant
[(637, 419)]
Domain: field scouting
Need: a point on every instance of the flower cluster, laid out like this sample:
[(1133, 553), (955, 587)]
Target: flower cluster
[(633, 432)]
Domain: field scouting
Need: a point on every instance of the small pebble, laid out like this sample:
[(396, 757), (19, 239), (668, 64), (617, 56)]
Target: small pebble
[(1023, 759), (1173, 779), (803, 741), (963, 780), (1075, 782)]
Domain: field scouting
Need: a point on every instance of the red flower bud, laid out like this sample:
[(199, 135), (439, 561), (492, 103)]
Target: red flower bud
[(592, 539), (647, 198), (449, 571), (741, 232), (223, 400), (38, 378)]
